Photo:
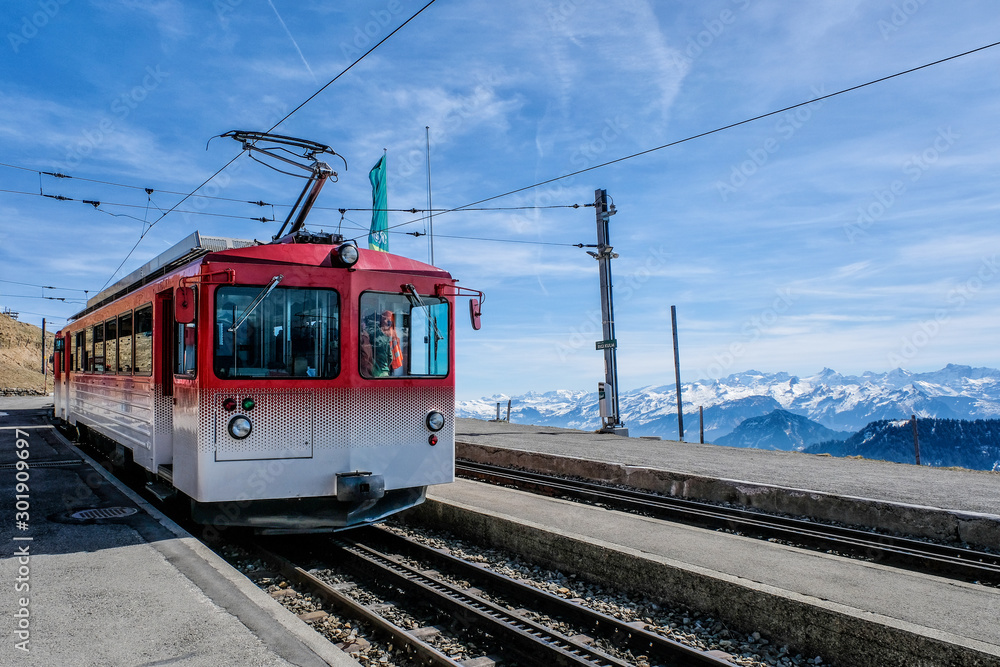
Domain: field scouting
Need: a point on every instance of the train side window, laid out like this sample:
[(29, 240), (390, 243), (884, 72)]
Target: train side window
[(125, 343), (88, 351), (111, 346), (143, 347), (79, 352), (99, 347), (185, 356)]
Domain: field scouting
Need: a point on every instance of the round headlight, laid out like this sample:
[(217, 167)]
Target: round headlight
[(348, 254), (435, 421), (240, 427)]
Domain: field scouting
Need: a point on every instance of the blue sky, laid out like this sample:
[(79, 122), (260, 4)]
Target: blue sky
[(857, 233)]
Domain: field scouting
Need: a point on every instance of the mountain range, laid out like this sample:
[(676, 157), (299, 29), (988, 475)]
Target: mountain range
[(840, 403), (943, 442)]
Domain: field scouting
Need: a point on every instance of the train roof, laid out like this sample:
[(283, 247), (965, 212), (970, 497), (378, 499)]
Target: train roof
[(191, 248), (197, 246)]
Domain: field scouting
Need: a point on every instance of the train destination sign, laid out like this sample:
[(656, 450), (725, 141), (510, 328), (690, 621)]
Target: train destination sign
[(606, 344)]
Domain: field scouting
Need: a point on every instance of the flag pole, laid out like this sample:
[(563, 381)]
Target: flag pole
[(430, 206)]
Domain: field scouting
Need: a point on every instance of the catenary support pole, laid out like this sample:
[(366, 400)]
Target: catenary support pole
[(677, 375), (605, 253), (916, 440)]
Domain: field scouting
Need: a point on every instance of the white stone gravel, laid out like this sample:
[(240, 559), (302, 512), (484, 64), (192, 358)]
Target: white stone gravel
[(676, 623)]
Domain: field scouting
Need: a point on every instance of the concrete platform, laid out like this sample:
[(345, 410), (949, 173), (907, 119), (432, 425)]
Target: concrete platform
[(131, 591), (850, 612), (940, 503)]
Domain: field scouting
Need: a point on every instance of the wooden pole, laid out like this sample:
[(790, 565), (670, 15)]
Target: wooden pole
[(701, 423), (916, 440)]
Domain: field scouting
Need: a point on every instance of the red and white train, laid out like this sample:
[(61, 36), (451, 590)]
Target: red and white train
[(299, 385)]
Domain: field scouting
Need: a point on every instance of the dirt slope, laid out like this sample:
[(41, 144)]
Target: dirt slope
[(21, 356)]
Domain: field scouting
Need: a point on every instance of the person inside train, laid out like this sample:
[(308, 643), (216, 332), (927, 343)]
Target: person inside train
[(388, 325), (381, 353)]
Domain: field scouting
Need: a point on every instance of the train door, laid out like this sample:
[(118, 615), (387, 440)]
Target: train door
[(162, 385), (60, 377)]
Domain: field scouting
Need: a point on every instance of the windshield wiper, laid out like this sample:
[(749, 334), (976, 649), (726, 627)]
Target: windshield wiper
[(257, 301), (416, 302)]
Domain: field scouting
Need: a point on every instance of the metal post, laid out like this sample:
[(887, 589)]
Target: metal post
[(701, 422), (508, 410), (916, 440), (677, 375), (604, 255), (45, 375), (498, 412)]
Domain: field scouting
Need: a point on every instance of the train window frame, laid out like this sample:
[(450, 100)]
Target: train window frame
[(130, 338), (186, 350), (98, 341), (111, 347), (88, 350), (317, 344), (405, 343), (79, 351), (140, 315)]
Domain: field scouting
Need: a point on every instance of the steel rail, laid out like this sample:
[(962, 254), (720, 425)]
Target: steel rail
[(426, 653), (954, 562), (534, 643), (638, 639)]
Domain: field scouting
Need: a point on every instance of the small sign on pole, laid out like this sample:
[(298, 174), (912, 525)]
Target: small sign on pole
[(606, 344)]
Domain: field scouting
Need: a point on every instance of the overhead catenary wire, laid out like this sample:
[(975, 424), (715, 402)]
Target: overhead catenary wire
[(97, 206), (49, 317), (259, 202), (50, 298), (361, 228), (282, 120), (349, 67), (470, 205), (67, 289), (718, 129)]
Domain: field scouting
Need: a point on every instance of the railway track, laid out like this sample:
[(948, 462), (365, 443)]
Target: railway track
[(500, 611), (940, 559)]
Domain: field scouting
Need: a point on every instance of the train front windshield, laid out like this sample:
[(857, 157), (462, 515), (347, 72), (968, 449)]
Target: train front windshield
[(293, 332), (403, 335)]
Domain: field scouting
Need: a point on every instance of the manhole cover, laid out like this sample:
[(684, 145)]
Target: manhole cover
[(103, 513)]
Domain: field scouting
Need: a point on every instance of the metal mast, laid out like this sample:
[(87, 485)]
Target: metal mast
[(604, 255)]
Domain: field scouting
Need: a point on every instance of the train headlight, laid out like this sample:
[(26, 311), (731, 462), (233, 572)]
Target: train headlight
[(240, 427), (435, 420), (347, 254)]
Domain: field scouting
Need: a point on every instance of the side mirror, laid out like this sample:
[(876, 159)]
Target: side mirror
[(184, 305), (475, 314)]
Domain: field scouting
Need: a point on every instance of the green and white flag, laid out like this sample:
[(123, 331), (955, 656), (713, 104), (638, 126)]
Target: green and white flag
[(378, 237)]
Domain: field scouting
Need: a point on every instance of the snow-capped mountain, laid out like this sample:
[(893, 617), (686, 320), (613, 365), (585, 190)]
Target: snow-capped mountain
[(838, 402), (780, 430)]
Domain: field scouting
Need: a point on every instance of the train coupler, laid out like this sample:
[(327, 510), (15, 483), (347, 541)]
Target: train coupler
[(355, 486)]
